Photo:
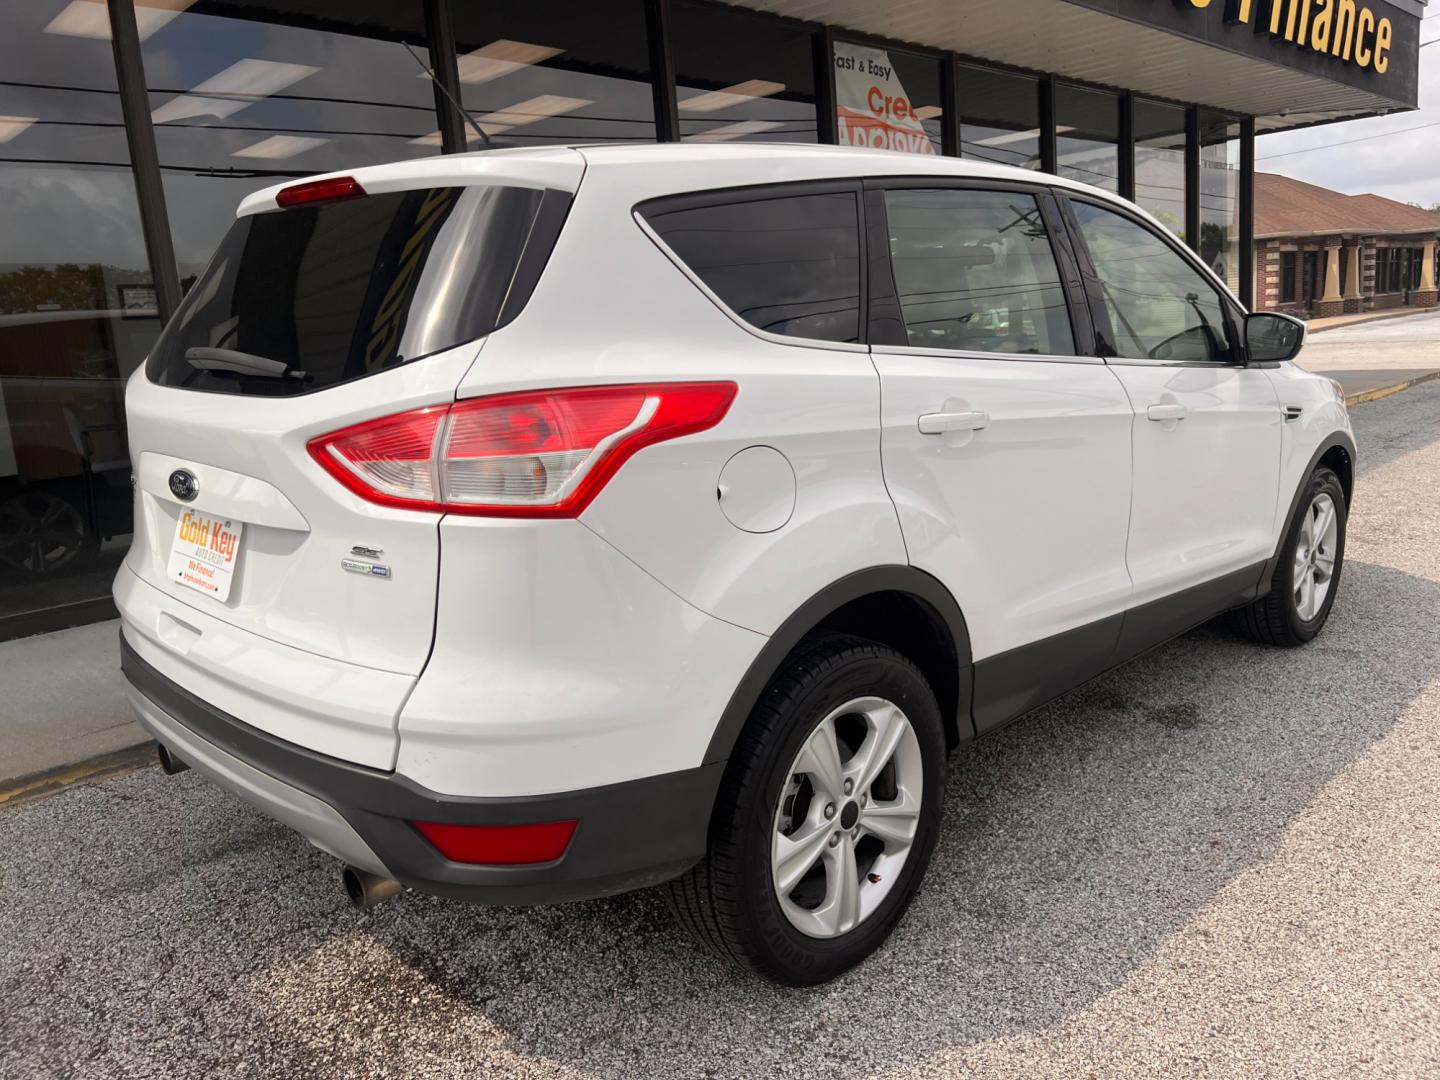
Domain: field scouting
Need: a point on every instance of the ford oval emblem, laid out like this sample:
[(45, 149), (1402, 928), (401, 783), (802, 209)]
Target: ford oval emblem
[(183, 485)]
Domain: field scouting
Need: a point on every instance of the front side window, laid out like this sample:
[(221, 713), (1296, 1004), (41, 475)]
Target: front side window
[(974, 271), (1159, 306), (787, 265)]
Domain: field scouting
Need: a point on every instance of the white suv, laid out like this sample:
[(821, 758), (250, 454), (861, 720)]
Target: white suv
[(542, 524)]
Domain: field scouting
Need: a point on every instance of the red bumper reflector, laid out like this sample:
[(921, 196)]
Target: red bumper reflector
[(499, 845), (334, 189)]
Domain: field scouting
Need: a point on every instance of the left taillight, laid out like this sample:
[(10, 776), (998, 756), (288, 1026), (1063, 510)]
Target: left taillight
[(544, 453)]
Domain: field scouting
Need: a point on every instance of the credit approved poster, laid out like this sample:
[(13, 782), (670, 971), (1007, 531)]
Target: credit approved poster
[(871, 106)]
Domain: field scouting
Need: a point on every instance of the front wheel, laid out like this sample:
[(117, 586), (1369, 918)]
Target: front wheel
[(1302, 590), (827, 816)]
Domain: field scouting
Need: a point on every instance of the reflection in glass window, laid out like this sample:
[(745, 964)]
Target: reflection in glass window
[(786, 265), (974, 271), (548, 72), (1087, 136), (887, 99), (1160, 162), (77, 307), (1159, 306), (244, 95), (999, 116), (741, 77), (1220, 195), (339, 291)]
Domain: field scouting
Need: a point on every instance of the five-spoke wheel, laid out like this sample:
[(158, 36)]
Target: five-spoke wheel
[(847, 817), (826, 817), (1315, 555), (1307, 571)]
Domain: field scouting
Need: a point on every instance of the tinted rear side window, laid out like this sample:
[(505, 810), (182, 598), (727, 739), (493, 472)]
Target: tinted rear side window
[(339, 291), (788, 265), (975, 272)]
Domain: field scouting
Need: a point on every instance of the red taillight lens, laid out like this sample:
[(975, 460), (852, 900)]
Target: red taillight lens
[(543, 453), (499, 845), (332, 189)]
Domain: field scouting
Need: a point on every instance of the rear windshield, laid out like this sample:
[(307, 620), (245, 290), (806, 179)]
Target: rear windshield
[(298, 300)]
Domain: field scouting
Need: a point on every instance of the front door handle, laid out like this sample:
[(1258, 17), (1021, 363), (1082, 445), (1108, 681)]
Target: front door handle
[(1166, 412), (938, 423)]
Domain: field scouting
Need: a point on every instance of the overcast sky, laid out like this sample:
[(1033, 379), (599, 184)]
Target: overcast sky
[(1400, 166)]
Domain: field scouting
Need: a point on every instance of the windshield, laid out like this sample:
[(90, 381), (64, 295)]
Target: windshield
[(298, 300)]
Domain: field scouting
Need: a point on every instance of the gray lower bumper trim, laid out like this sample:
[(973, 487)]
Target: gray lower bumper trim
[(317, 821)]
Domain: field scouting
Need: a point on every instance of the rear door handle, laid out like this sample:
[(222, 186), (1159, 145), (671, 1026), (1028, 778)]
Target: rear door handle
[(1167, 412), (938, 423)]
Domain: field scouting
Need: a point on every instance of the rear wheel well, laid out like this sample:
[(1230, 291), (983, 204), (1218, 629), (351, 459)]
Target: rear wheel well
[(912, 627), (1337, 459)]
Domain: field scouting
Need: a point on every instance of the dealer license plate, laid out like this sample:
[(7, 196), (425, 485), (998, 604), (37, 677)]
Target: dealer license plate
[(205, 553)]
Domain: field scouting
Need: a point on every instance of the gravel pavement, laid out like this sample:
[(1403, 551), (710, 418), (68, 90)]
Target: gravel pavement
[(1223, 860)]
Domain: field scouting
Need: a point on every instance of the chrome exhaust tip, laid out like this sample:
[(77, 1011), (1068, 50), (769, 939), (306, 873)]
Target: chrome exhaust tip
[(168, 761), (366, 890)]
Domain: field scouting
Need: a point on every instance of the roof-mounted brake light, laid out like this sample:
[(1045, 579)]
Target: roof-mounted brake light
[(331, 189)]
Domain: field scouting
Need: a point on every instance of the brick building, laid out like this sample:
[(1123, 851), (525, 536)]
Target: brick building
[(1319, 252)]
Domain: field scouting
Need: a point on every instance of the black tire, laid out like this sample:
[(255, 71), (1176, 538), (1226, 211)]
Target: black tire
[(727, 901), (1274, 619)]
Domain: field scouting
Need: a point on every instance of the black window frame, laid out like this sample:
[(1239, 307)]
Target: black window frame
[(1289, 285), (887, 322), (729, 196), (1095, 297)]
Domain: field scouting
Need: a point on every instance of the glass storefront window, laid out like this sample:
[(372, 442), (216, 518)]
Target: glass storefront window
[(246, 94), (1087, 136), (887, 99), (553, 71), (741, 77), (1160, 162), (1220, 195), (77, 307), (999, 116)]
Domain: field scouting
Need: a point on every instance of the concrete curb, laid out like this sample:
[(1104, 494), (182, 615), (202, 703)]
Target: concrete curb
[(38, 785), (1385, 391), (1377, 316)]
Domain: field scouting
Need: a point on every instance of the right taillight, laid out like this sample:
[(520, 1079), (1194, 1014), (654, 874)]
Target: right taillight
[(542, 453)]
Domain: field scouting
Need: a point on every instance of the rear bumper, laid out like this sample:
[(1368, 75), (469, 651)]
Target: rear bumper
[(630, 834)]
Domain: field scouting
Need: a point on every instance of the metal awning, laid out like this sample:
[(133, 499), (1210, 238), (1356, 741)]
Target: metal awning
[(1151, 47)]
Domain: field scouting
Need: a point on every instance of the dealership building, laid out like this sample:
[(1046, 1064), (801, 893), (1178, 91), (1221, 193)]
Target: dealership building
[(130, 130)]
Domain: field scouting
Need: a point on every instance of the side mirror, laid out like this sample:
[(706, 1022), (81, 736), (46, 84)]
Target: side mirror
[(1271, 337)]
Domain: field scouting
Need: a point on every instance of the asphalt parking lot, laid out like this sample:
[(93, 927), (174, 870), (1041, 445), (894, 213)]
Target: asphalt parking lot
[(1221, 861)]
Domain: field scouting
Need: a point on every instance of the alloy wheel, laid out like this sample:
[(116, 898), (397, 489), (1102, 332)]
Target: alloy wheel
[(1315, 556), (847, 817), (39, 532)]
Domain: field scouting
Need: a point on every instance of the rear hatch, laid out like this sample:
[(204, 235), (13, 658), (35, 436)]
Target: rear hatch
[(268, 581)]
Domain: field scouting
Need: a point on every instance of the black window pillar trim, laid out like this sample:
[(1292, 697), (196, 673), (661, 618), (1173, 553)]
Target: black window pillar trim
[(658, 21), (827, 130), (1192, 177), (1127, 146), (1049, 150), (884, 322), (144, 157), (949, 101), (1067, 262), (1247, 212), (440, 32)]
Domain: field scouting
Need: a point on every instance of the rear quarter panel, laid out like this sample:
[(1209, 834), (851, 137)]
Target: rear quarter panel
[(611, 307)]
